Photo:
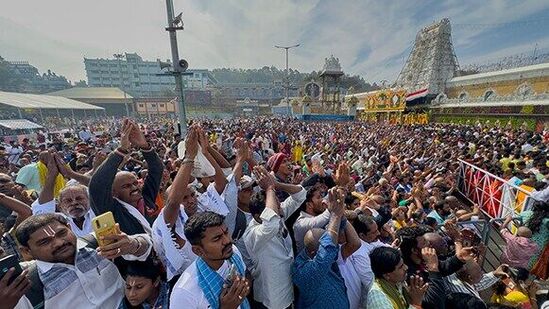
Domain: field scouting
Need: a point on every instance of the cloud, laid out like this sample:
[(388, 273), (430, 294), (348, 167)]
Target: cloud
[(371, 38)]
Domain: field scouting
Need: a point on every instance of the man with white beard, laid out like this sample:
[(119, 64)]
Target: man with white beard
[(74, 203)]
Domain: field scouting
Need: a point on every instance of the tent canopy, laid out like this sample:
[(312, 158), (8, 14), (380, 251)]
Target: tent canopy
[(38, 101), (19, 124), (105, 93)]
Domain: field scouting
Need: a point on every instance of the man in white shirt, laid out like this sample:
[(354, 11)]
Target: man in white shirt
[(71, 272), (349, 244), (313, 215), (85, 134), (14, 151), (368, 232), (74, 202), (216, 278), (269, 243)]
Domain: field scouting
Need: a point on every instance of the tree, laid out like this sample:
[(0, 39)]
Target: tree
[(8, 81), (81, 83)]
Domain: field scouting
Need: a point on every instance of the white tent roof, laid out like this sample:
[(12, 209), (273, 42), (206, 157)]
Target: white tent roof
[(35, 101), (16, 124)]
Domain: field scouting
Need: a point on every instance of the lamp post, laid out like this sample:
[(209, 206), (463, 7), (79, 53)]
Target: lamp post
[(287, 76), (174, 24), (118, 57)]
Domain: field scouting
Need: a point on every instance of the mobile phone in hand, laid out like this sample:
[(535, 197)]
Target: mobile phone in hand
[(231, 277), (7, 263)]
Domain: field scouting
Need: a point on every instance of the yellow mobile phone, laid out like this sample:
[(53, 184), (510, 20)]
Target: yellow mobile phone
[(104, 225)]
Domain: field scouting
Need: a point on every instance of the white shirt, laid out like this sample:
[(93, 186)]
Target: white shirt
[(211, 200), (363, 266), (353, 284), (50, 206), (174, 259), (305, 222), (230, 198), (14, 153), (187, 293), (239, 243), (270, 247), (98, 287)]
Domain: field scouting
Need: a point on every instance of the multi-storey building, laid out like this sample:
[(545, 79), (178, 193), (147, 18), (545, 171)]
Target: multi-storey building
[(141, 78)]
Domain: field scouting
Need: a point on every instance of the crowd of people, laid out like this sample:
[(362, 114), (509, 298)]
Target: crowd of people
[(268, 213)]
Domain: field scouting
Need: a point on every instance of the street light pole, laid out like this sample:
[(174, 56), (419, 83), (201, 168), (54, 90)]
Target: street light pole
[(177, 72), (286, 48), (120, 56)]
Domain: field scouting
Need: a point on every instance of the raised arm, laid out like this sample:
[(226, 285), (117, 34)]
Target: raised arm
[(23, 210), (47, 195), (100, 188), (220, 180), (67, 172), (270, 217), (242, 154), (219, 158), (182, 179), (151, 186), (352, 243), (336, 207), (267, 182)]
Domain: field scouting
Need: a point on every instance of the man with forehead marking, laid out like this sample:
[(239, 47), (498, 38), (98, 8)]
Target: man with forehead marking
[(72, 273)]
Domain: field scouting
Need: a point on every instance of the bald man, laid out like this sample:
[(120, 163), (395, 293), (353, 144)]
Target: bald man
[(315, 271), (120, 193), (437, 242), (470, 279)]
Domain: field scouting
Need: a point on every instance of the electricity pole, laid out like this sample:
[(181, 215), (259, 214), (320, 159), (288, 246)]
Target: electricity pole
[(287, 76), (175, 24)]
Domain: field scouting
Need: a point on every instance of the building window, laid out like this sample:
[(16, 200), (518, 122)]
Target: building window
[(141, 105), (153, 105), (137, 84), (162, 105), (463, 96), (488, 94)]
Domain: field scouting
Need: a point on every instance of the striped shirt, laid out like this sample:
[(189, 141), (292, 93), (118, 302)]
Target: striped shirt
[(455, 285)]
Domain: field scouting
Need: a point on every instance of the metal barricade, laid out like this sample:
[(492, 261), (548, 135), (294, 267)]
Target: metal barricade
[(495, 196), (480, 227)]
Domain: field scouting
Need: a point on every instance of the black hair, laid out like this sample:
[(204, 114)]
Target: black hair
[(430, 221), (384, 260), (197, 224), (408, 239), (146, 269), (350, 199), (257, 202), (33, 223), (439, 205), (540, 212), (362, 222), (310, 193)]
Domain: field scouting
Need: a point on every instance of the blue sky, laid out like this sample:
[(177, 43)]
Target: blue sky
[(371, 38)]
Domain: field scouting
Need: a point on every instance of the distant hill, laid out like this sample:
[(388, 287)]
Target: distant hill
[(272, 74)]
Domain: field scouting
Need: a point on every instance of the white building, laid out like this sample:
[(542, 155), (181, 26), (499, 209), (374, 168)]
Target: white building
[(140, 78)]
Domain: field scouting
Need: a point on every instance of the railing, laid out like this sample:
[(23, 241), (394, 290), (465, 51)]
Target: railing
[(495, 196), (480, 227)]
